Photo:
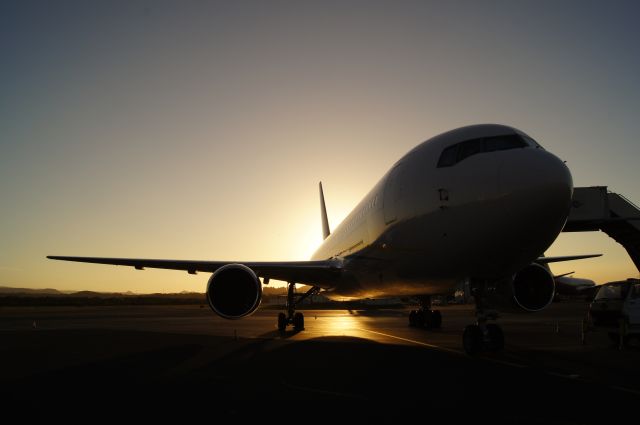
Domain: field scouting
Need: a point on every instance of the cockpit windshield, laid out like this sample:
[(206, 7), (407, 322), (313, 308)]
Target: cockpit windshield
[(531, 141), (460, 151)]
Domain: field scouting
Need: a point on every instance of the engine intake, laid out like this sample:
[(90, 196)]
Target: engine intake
[(533, 288), (234, 291)]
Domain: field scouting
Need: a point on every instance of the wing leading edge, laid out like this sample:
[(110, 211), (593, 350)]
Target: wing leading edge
[(323, 274), (546, 260)]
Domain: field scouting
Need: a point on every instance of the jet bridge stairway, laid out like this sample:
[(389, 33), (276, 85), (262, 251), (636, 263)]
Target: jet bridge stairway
[(594, 208)]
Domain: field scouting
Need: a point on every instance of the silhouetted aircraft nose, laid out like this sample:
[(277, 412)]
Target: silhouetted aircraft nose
[(539, 186), (555, 176)]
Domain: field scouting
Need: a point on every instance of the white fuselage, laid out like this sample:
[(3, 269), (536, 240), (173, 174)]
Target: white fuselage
[(432, 221)]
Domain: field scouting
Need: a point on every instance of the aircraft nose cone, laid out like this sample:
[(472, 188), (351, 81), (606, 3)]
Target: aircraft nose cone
[(554, 176), (538, 188), (542, 181)]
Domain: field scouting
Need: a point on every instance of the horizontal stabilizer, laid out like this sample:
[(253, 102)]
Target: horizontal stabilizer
[(546, 260), (563, 275)]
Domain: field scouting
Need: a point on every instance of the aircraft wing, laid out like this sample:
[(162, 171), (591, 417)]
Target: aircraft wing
[(546, 260), (317, 273)]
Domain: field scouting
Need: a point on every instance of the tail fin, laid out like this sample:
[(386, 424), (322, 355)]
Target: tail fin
[(323, 211)]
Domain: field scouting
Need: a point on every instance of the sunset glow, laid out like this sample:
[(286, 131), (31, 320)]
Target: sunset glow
[(200, 130)]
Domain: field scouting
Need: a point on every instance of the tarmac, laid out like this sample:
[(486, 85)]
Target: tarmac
[(183, 363)]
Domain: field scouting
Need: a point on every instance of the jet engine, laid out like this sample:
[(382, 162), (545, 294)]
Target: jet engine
[(234, 291), (533, 288), (530, 290)]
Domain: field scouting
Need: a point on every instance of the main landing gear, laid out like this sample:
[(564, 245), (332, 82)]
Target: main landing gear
[(292, 317), (425, 317), (482, 336)]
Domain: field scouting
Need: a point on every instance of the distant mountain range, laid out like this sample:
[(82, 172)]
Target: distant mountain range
[(15, 297), (53, 297), (9, 291), (6, 290), (47, 291)]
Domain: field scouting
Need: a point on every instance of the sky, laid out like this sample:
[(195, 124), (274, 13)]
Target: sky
[(200, 129)]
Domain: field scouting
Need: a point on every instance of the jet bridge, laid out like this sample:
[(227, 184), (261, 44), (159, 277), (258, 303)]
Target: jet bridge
[(595, 208)]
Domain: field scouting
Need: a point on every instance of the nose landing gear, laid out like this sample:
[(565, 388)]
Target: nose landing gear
[(425, 317), (482, 336)]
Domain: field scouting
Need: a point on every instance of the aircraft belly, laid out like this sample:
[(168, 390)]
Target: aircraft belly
[(432, 253), (377, 272), (381, 286)]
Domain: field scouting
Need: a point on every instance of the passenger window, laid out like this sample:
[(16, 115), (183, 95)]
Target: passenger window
[(469, 148), (448, 157), (501, 143)]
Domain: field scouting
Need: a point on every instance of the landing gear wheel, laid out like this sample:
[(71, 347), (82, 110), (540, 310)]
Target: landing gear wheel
[(472, 339), (298, 322), (282, 322), (495, 337), (412, 318)]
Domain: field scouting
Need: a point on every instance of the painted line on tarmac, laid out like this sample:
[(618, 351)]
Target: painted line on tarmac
[(626, 390), (576, 377), (424, 344), (448, 350), (573, 377)]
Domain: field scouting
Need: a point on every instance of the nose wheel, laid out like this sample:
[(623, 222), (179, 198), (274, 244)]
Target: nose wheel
[(292, 317), (482, 336)]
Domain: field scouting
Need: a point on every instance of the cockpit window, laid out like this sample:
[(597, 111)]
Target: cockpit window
[(532, 142), (501, 143), (460, 151), (469, 148), (449, 156)]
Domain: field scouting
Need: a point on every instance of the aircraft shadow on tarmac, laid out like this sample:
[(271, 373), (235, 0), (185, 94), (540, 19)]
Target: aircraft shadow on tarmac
[(200, 377), (280, 334)]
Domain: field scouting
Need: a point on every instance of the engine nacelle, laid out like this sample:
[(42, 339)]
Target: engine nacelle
[(531, 289), (234, 291)]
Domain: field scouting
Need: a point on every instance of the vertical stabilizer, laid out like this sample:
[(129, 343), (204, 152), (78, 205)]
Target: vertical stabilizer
[(323, 212)]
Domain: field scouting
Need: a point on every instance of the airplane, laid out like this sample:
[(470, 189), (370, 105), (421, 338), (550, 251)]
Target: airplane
[(567, 285), (481, 202)]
